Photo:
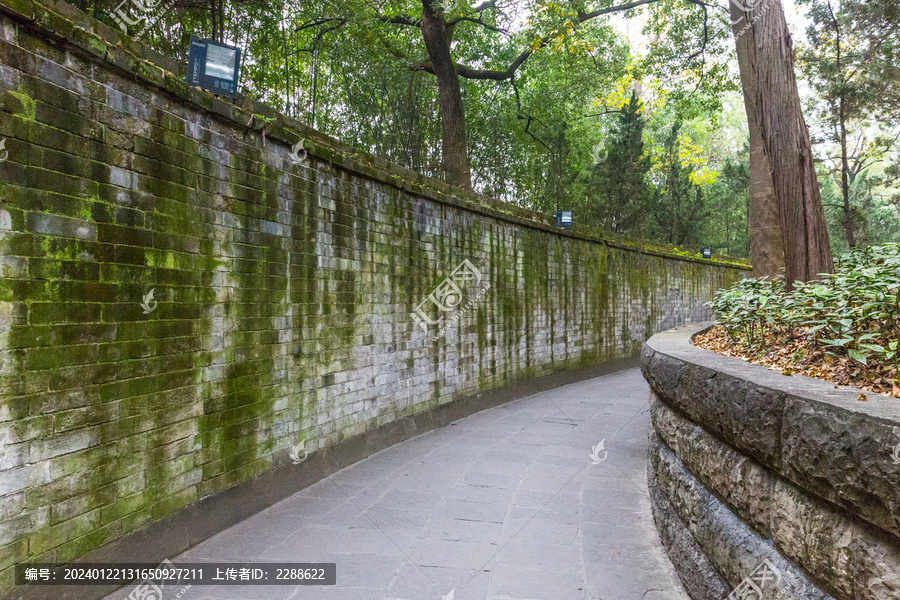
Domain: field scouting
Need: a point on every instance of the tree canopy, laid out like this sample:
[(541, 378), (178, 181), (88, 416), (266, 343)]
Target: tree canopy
[(627, 112)]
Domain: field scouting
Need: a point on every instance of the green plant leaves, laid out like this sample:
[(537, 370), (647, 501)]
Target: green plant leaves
[(854, 312), (857, 355)]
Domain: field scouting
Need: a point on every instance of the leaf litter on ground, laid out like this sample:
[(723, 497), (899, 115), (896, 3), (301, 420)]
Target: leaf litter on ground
[(795, 356)]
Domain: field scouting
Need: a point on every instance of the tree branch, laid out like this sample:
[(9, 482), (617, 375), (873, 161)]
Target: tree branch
[(528, 118), (478, 22), (484, 6), (582, 16), (317, 22), (509, 72), (606, 111), (705, 32), (399, 20)]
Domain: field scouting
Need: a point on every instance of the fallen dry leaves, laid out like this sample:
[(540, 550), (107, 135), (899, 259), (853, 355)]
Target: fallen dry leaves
[(798, 355)]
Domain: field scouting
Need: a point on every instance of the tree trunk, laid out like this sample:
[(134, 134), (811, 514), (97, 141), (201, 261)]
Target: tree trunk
[(785, 137), (842, 124), (845, 177), (766, 247), (213, 15), (453, 121)]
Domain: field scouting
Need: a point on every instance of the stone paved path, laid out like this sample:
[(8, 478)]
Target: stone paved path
[(506, 504)]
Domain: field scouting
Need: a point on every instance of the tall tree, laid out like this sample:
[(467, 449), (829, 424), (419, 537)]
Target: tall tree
[(552, 24), (727, 227), (852, 69), (677, 208), (620, 173), (876, 220), (437, 32), (766, 246), (777, 114)]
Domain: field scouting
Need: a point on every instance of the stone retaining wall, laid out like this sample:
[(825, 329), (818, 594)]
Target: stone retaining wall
[(747, 465)]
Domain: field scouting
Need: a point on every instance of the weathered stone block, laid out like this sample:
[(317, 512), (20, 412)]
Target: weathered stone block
[(826, 490), (845, 456), (849, 556), (697, 573), (731, 546), (740, 481), (61, 226)]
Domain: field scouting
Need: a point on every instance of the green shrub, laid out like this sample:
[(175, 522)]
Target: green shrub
[(855, 312)]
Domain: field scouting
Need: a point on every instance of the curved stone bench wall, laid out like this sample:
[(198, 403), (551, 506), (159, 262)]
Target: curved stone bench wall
[(747, 465)]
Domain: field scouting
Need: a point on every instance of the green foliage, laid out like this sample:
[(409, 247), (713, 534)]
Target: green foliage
[(746, 308), (851, 65), (855, 312), (729, 198), (679, 183), (690, 51), (875, 220), (359, 71), (677, 207), (619, 179)]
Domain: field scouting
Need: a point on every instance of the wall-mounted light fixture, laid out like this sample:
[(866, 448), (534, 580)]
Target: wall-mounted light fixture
[(214, 66)]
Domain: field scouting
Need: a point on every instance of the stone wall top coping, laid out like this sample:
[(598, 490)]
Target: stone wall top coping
[(819, 436), (65, 24), (677, 343)]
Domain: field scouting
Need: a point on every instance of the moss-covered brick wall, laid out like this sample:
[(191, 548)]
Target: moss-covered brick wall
[(282, 293)]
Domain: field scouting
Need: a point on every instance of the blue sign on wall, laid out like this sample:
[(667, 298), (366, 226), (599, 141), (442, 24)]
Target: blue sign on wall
[(565, 218), (214, 66)]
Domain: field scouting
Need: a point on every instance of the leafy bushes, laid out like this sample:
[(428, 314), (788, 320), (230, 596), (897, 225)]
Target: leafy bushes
[(854, 313)]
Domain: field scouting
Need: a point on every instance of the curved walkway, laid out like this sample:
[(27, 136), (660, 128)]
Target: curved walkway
[(506, 504)]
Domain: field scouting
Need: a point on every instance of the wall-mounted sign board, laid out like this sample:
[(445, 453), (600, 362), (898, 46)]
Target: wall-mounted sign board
[(565, 218)]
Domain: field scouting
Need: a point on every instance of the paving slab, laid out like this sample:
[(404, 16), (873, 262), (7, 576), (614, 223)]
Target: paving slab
[(506, 504)]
